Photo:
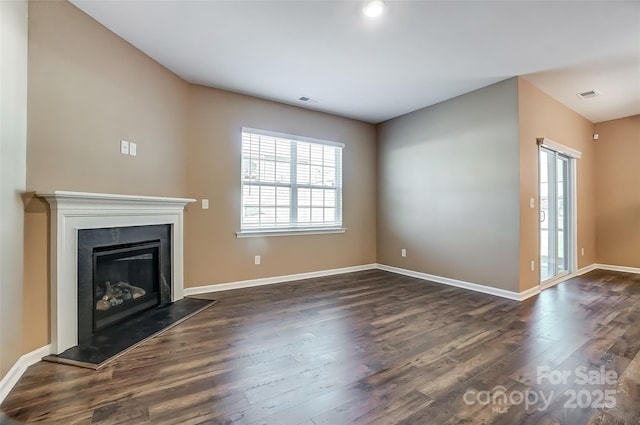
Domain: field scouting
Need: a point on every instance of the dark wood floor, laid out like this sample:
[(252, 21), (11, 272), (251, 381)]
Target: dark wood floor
[(367, 347)]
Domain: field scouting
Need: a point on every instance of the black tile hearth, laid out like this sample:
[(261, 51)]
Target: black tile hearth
[(104, 346)]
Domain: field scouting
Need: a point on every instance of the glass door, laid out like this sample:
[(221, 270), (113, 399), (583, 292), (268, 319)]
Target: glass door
[(555, 212)]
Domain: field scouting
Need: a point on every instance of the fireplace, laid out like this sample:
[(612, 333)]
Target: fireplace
[(88, 227), (122, 271)]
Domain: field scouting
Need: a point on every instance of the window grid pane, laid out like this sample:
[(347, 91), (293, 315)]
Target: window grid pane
[(289, 184)]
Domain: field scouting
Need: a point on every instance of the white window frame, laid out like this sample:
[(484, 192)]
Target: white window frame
[(303, 229)]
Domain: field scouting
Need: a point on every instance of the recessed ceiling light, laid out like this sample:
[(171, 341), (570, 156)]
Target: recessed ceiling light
[(588, 94), (374, 8)]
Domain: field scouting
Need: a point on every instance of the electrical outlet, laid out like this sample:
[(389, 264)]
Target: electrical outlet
[(532, 203), (257, 260), (133, 149), (205, 204), (583, 252), (124, 147), (403, 252), (533, 265)]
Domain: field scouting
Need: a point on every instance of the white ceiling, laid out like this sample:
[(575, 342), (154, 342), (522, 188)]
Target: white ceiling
[(419, 53)]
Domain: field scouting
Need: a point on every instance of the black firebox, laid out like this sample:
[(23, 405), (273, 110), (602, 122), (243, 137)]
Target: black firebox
[(122, 272), (125, 281)]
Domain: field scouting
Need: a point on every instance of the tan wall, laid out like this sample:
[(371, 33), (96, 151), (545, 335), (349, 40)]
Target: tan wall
[(213, 254), (88, 89), (448, 188), (542, 116), (617, 194), (35, 317), (13, 145)]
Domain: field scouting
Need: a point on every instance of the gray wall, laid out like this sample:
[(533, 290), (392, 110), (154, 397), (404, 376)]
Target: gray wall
[(13, 145), (448, 188)]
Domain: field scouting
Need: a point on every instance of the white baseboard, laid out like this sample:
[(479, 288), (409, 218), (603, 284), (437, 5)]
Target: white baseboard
[(276, 279), (512, 295), (15, 373), (528, 293), (521, 296), (457, 283), (586, 269), (612, 268)]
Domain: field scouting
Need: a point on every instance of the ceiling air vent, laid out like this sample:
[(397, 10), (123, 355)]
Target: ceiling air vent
[(588, 94), (304, 98)]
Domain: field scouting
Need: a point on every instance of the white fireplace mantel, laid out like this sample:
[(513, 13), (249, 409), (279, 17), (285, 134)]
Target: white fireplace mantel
[(71, 211)]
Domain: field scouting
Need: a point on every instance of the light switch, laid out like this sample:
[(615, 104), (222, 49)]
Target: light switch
[(133, 149), (532, 203), (205, 204), (124, 147)]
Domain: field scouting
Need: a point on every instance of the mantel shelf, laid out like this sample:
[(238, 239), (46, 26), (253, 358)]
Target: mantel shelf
[(69, 199)]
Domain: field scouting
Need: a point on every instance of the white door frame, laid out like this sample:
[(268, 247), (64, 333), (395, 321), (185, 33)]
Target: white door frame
[(572, 209)]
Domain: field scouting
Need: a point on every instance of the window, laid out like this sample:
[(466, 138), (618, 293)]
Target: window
[(290, 182)]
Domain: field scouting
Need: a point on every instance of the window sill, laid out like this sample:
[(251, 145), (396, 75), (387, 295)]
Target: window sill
[(288, 232)]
